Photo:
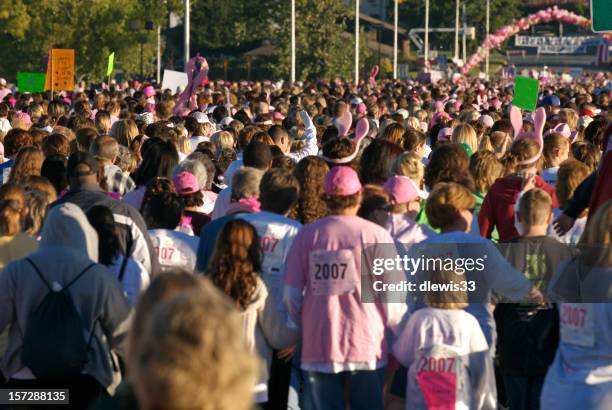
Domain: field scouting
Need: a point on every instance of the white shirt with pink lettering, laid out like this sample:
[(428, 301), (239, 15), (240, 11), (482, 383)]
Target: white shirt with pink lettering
[(175, 249), (447, 357)]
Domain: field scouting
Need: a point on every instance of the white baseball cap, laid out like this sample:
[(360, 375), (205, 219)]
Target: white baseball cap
[(200, 117)]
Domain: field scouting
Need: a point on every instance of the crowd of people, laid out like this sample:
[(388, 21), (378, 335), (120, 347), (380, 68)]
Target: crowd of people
[(211, 251)]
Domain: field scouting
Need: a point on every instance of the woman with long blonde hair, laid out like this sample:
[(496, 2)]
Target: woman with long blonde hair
[(124, 131), (465, 134)]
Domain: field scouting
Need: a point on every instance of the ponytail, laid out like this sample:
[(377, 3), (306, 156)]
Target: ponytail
[(520, 155), (486, 144)]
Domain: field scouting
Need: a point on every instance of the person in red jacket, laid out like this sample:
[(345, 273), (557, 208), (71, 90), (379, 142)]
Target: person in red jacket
[(523, 160)]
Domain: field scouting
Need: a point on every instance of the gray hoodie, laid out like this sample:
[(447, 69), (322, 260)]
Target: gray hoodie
[(68, 245)]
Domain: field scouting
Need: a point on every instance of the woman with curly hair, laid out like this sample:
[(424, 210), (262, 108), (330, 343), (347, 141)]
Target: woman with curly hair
[(310, 172), (235, 269), (28, 162)]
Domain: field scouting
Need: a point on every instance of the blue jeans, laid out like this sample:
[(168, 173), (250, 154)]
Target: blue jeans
[(325, 391), (523, 393)]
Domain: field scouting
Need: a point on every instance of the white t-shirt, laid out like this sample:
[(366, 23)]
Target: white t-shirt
[(196, 139), (581, 374), (234, 166), (549, 175), (175, 249), (572, 236), (405, 230), (276, 234), (222, 203), (135, 278), (448, 363)]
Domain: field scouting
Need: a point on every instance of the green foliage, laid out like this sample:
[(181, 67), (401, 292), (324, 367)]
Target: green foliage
[(323, 49), (94, 28), (219, 24)]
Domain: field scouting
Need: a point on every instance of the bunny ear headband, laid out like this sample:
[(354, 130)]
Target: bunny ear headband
[(344, 124), (361, 130), (536, 135)]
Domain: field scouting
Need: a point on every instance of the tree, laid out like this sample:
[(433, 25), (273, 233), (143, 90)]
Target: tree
[(94, 28), (230, 23), (323, 48)]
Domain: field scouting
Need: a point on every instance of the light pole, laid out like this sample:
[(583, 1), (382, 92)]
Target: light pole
[(426, 33), (488, 29), (158, 71), (292, 41), (464, 19), (457, 29), (356, 42), (186, 33), (395, 17)]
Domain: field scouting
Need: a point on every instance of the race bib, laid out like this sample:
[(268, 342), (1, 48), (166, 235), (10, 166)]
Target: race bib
[(274, 254), (170, 255), (576, 321), (332, 272)]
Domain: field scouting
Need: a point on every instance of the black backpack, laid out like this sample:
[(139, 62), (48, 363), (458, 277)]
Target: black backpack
[(54, 346)]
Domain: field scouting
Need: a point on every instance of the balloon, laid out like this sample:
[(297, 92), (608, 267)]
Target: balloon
[(543, 16)]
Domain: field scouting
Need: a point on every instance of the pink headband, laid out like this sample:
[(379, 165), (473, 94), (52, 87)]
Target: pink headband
[(517, 123), (361, 130)]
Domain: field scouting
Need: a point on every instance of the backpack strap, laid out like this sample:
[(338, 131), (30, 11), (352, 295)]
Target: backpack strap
[(40, 275), (128, 253), (77, 277)]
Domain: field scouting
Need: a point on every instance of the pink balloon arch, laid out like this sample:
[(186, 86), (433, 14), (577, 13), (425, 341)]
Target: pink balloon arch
[(543, 16)]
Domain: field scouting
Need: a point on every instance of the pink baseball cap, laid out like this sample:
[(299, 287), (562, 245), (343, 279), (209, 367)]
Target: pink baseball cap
[(149, 91), (24, 117), (361, 108), (486, 120), (444, 134), (561, 128), (342, 181), (277, 116), (401, 189), (185, 183)]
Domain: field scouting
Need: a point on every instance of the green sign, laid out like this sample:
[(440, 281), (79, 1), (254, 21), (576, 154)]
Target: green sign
[(525, 93), (601, 15), (31, 82), (111, 63)]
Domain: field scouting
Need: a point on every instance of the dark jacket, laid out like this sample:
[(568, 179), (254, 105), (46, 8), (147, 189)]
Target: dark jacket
[(130, 223)]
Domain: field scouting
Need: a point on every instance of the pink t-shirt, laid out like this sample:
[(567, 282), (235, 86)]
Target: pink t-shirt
[(325, 262)]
